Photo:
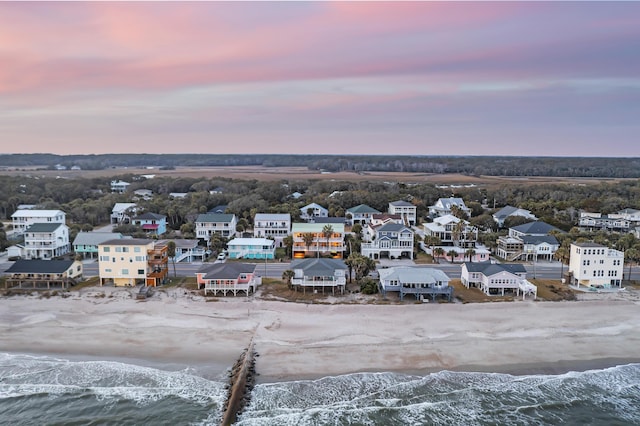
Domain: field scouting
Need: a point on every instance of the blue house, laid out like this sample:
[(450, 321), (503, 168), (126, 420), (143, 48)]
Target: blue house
[(251, 248), (151, 223)]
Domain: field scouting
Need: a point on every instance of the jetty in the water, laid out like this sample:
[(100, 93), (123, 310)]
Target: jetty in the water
[(241, 382)]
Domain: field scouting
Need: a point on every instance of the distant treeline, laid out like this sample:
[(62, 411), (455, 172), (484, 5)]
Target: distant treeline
[(470, 165)]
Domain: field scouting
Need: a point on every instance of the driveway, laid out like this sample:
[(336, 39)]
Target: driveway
[(386, 263)]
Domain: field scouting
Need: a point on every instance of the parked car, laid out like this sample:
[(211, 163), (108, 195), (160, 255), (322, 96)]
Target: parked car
[(222, 256)]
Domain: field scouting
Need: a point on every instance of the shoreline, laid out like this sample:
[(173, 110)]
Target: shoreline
[(310, 341), (220, 372)]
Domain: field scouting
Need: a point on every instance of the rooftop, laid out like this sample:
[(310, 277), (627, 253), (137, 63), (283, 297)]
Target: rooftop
[(40, 266), (44, 227)]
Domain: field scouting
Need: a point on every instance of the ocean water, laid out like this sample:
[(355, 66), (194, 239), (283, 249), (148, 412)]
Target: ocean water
[(37, 390)]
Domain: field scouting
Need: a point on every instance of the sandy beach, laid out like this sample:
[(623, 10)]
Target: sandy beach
[(297, 341)]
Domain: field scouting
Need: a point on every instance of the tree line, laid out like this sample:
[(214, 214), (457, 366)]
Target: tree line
[(469, 165)]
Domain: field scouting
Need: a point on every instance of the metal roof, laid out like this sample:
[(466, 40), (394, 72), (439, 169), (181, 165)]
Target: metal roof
[(488, 268), (95, 238), (215, 218), (40, 266), (226, 271), (362, 208), (318, 266), (43, 227)]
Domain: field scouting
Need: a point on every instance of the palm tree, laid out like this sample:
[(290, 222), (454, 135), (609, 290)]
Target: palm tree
[(431, 241), (458, 232), (630, 256), (308, 238), (438, 252), (458, 212), (470, 253), (288, 243), (563, 255), (327, 232), (171, 252), (452, 254), (362, 265), (288, 276), (242, 225)]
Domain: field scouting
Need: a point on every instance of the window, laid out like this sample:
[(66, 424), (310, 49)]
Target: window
[(136, 249), (125, 272), (107, 249), (140, 271)]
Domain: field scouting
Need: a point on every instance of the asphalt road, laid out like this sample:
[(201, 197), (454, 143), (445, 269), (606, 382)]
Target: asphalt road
[(541, 270), (269, 270)]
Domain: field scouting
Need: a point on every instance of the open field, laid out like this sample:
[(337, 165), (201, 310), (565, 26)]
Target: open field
[(262, 173)]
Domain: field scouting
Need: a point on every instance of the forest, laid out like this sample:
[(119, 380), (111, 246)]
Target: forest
[(88, 201), (470, 165)]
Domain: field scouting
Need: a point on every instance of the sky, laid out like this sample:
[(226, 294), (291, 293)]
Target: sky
[(409, 78)]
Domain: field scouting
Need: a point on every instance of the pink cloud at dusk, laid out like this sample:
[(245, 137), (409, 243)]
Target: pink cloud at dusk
[(77, 72)]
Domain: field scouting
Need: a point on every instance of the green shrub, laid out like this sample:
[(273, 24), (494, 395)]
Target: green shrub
[(368, 286)]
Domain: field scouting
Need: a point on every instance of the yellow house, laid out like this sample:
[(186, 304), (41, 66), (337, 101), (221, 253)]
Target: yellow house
[(333, 245), (132, 261)]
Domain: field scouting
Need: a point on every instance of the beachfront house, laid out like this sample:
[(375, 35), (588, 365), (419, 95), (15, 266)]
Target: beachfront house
[(331, 245), (132, 261), (509, 211), (406, 210), (86, 243), (596, 266), (24, 218), (122, 213), (43, 274), (497, 279), (272, 225), (313, 210), (361, 214), (445, 206), (319, 273), (391, 240), (251, 248), (46, 241), (418, 281), (152, 224), (215, 223), (223, 278)]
